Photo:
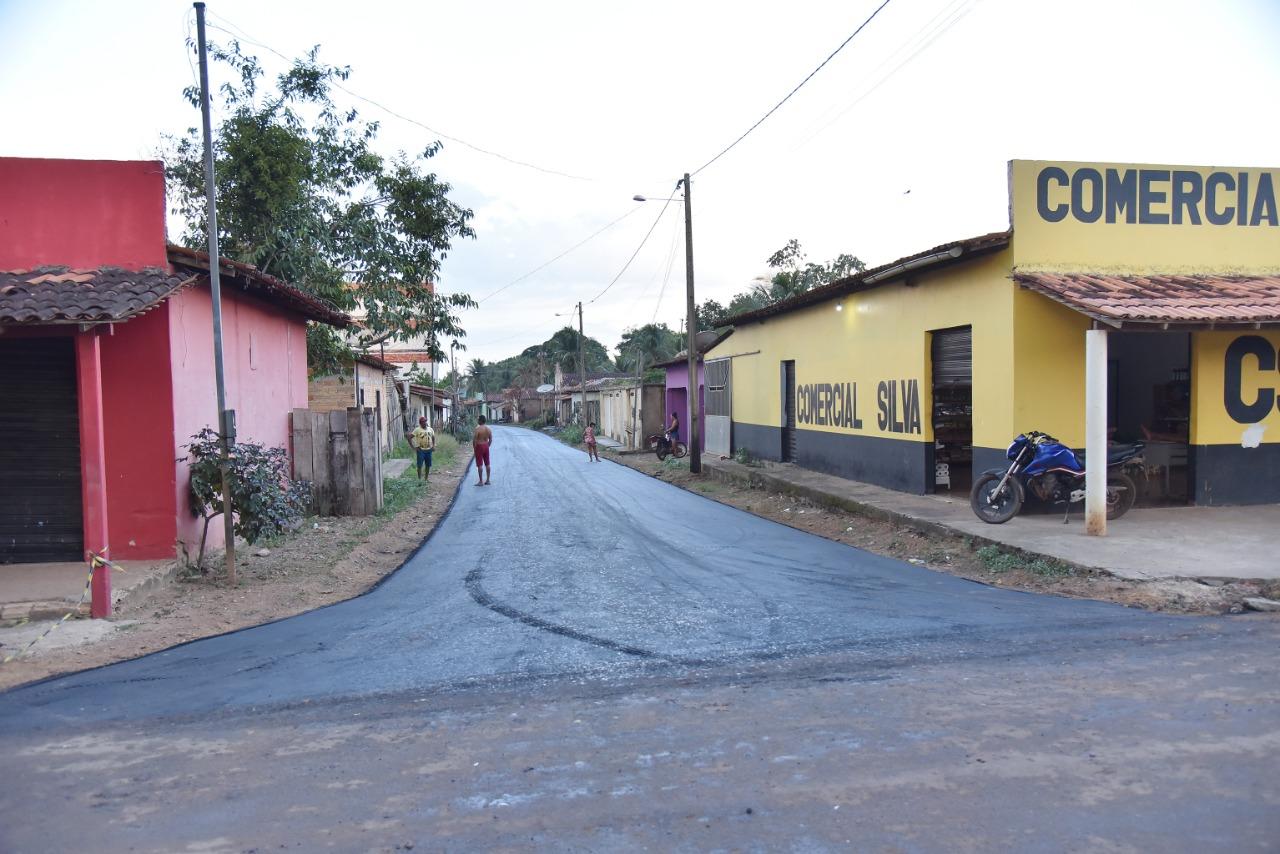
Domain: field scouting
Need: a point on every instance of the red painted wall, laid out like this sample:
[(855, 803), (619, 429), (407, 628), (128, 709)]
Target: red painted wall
[(265, 355), (138, 425), (81, 213)]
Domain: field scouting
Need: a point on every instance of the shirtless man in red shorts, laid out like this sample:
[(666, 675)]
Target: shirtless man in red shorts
[(482, 439)]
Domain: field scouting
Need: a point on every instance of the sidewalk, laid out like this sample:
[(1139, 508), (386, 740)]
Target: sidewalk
[(46, 591), (1168, 542)]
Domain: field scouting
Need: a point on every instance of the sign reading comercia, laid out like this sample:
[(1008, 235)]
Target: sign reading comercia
[(1155, 196)]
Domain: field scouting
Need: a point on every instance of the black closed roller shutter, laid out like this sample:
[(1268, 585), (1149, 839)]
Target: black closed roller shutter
[(953, 356), (40, 511)]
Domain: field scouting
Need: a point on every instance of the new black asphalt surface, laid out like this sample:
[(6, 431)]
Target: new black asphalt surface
[(585, 658), (559, 567)]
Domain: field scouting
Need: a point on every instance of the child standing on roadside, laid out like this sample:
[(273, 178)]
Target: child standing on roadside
[(590, 438)]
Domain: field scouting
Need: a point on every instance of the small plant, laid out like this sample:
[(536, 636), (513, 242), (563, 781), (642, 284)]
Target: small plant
[(264, 499), (572, 434), (446, 450), (401, 450), (399, 492), (745, 457), (673, 464), (996, 559)]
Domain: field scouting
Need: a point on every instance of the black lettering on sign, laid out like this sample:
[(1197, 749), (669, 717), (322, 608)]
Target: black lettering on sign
[(1233, 379), (899, 405), (1157, 197), (828, 405)]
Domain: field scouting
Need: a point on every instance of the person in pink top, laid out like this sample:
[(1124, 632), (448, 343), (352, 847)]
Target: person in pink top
[(589, 437)]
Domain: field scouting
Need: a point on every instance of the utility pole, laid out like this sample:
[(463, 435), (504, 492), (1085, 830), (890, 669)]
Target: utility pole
[(691, 326), (226, 417), (453, 410), (582, 366)]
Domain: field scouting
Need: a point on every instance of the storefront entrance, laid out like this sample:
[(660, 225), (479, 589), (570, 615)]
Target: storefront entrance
[(951, 352), (1149, 400)]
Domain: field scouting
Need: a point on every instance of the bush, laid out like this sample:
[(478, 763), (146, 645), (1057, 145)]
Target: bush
[(997, 559), (745, 457), (401, 450), (535, 423), (572, 434), (264, 499), (446, 450)]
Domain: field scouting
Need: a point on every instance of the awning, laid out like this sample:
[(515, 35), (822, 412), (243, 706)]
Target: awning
[(1199, 301)]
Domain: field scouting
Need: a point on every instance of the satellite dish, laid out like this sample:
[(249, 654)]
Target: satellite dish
[(545, 387)]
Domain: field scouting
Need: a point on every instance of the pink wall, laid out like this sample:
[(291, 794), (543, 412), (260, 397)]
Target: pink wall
[(265, 356), (138, 426), (81, 213)]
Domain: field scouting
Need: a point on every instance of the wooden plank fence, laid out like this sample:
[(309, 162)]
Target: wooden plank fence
[(339, 453)]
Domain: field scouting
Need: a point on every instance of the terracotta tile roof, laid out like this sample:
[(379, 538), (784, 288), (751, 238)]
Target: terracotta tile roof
[(947, 253), (407, 357), (251, 280), (51, 295), (1194, 300)]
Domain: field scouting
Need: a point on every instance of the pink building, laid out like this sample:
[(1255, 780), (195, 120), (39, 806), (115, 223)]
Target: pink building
[(106, 361)]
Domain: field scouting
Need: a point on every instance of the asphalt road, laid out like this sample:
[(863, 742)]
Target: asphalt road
[(583, 657)]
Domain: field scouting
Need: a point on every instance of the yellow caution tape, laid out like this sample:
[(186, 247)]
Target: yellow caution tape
[(95, 561)]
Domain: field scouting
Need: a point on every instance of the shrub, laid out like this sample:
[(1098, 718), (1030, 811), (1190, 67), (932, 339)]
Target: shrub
[(572, 434), (401, 450), (745, 457), (446, 450), (264, 499)]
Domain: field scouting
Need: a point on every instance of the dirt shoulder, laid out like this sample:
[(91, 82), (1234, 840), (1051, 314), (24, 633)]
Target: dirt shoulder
[(957, 554), (327, 561)]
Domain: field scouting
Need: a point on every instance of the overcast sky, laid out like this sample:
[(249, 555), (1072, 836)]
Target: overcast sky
[(898, 144)]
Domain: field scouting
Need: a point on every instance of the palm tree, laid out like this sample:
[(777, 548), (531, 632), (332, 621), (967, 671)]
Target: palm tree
[(477, 373)]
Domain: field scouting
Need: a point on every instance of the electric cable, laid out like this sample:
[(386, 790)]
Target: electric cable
[(761, 120), (647, 234), (243, 36)]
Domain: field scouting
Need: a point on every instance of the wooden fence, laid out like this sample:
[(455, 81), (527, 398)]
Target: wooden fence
[(339, 453)]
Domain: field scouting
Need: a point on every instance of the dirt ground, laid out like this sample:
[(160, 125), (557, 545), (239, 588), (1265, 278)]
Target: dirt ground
[(958, 555), (328, 560)]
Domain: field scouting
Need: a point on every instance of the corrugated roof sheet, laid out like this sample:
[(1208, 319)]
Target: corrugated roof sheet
[(1194, 300), (53, 295)]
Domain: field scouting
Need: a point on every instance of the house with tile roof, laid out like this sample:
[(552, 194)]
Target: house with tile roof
[(1125, 303), (107, 361)]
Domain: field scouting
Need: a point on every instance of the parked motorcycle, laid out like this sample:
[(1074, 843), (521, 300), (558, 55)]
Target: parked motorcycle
[(662, 445), (1053, 473)]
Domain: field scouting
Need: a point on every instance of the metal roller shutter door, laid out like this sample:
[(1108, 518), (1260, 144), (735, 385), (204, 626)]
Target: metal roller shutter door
[(40, 511), (953, 356)]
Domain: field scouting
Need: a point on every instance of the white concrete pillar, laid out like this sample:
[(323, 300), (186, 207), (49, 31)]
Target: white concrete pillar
[(1095, 432)]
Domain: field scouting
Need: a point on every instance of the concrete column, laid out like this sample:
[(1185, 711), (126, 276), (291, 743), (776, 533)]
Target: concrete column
[(1095, 432), (93, 464)]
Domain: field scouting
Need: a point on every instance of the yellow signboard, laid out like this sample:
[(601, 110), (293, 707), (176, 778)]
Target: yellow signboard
[(1126, 217)]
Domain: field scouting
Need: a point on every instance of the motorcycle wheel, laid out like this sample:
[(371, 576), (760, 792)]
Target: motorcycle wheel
[(1004, 508), (661, 451), (1122, 492), (680, 450)]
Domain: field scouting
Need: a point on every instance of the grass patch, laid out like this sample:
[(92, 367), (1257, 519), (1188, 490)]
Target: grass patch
[(400, 492), (446, 453), (998, 560), (401, 450)]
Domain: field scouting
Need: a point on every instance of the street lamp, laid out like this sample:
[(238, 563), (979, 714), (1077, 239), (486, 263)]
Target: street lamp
[(691, 326)]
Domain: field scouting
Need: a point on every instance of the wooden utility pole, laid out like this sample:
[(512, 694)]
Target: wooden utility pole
[(691, 327), (582, 366)]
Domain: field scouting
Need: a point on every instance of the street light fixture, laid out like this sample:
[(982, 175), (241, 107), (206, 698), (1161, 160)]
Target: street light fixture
[(691, 326)]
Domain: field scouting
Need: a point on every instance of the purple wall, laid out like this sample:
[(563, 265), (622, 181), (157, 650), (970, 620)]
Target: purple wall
[(678, 398)]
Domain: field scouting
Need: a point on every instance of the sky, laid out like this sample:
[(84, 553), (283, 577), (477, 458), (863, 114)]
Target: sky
[(899, 143)]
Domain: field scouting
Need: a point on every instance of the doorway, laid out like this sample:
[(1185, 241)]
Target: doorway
[(789, 411), (1149, 401), (951, 358)]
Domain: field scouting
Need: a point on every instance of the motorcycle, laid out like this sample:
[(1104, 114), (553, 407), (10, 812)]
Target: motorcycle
[(662, 445), (1053, 473)]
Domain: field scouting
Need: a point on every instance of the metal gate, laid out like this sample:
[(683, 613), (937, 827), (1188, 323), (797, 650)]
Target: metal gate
[(40, 511), (789, 412), (718, 405)]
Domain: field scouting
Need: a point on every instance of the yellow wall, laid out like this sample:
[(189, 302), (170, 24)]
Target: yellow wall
[(1049, 217), (880, 335), (1048, 386), (1210, 422)]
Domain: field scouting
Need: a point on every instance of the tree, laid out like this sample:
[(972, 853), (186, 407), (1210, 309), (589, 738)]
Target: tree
[(562, 349), (303, 196), (478, 374), (711, 315), (644, 345), (794, 276)]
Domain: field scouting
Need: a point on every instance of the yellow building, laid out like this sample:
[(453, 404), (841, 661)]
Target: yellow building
[(917, 374)]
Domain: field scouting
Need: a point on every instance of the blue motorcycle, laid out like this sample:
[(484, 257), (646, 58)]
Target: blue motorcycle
[(1053, 473)]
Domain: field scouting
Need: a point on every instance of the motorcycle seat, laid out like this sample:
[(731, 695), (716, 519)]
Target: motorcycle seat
[(1118, 453)]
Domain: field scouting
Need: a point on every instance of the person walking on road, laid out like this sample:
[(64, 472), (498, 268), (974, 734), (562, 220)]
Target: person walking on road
[(423, 440), (481, 441), (589, 437)]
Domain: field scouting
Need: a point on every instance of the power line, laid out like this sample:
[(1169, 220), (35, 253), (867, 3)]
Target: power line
[(761, 120), (561, 255), (243, 36), (665, 205)]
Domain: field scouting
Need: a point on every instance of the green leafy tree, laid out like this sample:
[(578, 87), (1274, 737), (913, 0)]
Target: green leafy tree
[(562, 349), (644, 345), (303, 196), (711, 315), (796, 276)]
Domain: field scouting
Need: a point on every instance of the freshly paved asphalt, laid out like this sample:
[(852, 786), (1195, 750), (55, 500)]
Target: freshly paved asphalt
[(566, 579)]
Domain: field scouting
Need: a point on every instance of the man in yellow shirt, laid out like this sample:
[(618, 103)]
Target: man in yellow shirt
[(423, 439)]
